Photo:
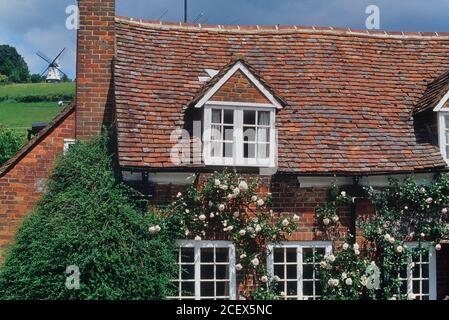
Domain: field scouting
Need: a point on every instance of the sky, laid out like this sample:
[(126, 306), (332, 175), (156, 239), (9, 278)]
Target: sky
[(32, 25)]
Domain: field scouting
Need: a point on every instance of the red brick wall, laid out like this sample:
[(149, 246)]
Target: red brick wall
[(239, 89), (96, 45), (24, 183)]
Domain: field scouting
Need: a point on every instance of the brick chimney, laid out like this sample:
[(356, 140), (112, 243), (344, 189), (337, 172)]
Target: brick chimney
[(94, 82)]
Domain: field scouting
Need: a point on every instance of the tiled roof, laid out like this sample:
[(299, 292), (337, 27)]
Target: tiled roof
[(433, 94), (349, 94)]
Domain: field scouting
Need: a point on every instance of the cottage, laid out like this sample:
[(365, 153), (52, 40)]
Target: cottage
[(299, 106)]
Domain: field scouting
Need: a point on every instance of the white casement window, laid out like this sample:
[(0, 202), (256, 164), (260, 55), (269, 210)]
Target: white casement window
[(443, 134), (295, 263), (68, 143), (206, 270), (419, 278), (239, 135)]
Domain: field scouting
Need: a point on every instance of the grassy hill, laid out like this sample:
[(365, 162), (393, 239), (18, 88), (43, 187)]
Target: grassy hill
[(23, 104)]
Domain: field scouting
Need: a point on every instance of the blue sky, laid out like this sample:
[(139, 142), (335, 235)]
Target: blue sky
[(32, 25)]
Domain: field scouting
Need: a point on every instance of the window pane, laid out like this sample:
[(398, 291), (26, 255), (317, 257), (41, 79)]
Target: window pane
[(307, 254), (228, 149), (188, 272), (263, 151), (249, 151), (425, 286), (222, 288), (291, 254), (215, 133), (263, 135), (446, 120), (249, 134), (307, 271), (228, 116), (318, 289), (207, 271), (307, 288), (187, 255), (292, 288), (264, 118), (207, 254), (416, 271), (215, 149), (279, 271), (229, 133), (278, 254), (188, 288), (249, 117), (222, 272), (425, 257), (221, 255), (291, 271), (447, 151), (216, 116), (207, 289), (425, 270), (416, 286)]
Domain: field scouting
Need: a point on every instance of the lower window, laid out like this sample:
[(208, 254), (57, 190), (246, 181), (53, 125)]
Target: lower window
[(206, 270), (419, 278), (295, 264)]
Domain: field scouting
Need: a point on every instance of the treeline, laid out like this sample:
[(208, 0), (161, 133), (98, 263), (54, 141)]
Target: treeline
[(14, 69)]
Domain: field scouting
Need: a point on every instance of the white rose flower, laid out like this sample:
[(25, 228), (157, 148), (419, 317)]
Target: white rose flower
[(399, 249), (202, 217), (356, 252), (230, 196), (152, 230), (255, 262), (429, 200), (394, 297), (236, 191), (254, 198), (387, 237), (179, 195), (230, 228), (438, 247), (217, 182), (212, 215), (258, 228), (344, 276), (345, 246), (224, 187), (391, 240), (343, 193), (335, 218), (282, 294), (242, 256), (422, 235), (157, 228), (187, 211), (323, 264), (285, 222), (250, 229), (348, 282), (221, 207), (444, 210), (210, 204), (242, 232), (422, 190), (326, 221), (356, 246), (264, 279), (187, 232), (331, 258), (260, 202), (296, 218), (364, 280), (197, 238), (405, 208), (333, 282), (238, 267), (236, 214), (411, 296), (243, 186)]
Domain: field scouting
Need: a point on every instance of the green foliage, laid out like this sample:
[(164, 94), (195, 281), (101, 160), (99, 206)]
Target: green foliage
[(13, 65), (38, 92), (3, 79), (10, 143), (228, 204), (89, 220), (36, 78)]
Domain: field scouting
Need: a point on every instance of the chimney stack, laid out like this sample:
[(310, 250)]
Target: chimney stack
[(94, 77)]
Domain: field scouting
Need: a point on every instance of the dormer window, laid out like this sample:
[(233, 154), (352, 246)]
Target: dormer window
[(239, 136), (239, 118), (444, 134)]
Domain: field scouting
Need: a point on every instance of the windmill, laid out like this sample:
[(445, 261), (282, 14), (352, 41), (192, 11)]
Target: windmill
[(53, 70)]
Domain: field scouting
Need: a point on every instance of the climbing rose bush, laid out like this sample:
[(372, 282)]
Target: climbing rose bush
[(404, 212), (229, 205)]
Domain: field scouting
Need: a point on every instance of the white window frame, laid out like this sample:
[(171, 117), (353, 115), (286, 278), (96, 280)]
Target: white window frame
[(197, 246), (67, 144), (299, 246), (432, 269), (238, 152), (442, 141)]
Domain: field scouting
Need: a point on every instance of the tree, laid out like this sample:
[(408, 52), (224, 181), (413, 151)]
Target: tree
[(10, 143), (88, 224), (13, 65), (3, 78), (36, 78)]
